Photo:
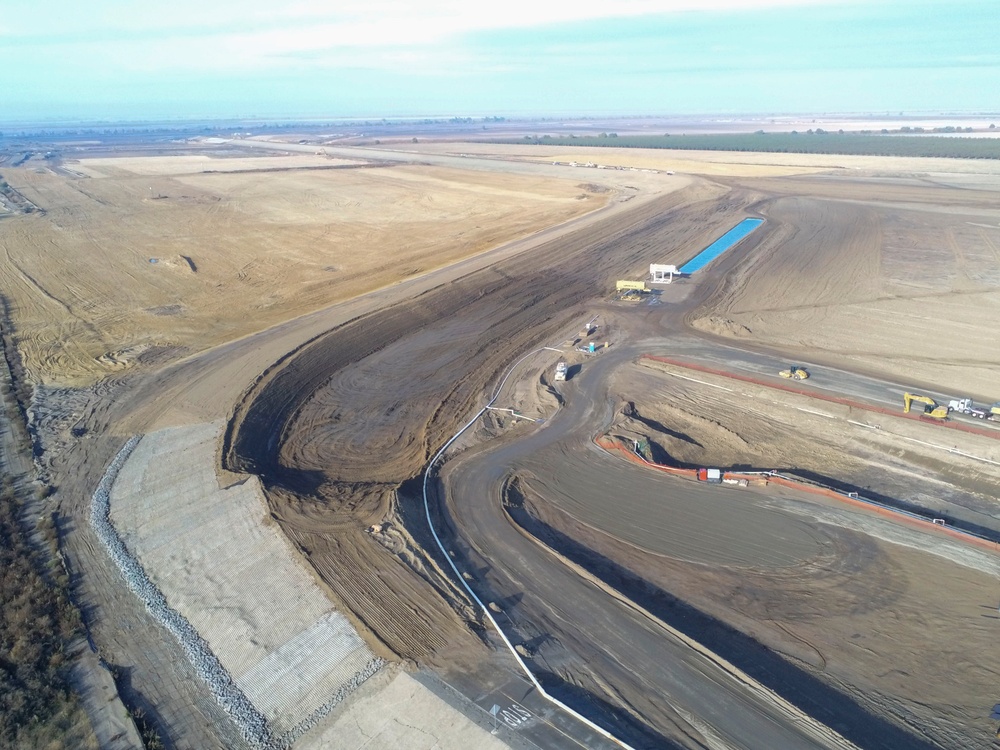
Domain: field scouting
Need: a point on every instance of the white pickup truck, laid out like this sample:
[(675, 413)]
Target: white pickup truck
[(561, 371)]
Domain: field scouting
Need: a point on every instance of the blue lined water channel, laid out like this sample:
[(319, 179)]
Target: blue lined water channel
[(717, 248)]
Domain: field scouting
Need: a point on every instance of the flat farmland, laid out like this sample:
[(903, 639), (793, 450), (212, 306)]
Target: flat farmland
[(151, 258), (180, 164), (730, 163)]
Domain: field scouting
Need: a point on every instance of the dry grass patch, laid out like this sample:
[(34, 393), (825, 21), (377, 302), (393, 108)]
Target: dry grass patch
[(131, 268), (37, 623)]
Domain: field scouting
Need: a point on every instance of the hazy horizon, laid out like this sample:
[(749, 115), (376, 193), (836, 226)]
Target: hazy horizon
[(105, 61)]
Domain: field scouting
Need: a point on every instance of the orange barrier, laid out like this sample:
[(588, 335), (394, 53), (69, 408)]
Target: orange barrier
[(994, 434), (610, 444), (883, 510)]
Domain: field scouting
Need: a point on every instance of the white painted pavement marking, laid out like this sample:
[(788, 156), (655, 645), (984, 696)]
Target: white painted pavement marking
[(515, 715)]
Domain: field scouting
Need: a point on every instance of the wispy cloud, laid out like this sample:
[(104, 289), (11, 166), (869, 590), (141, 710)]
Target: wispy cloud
[(514, 50), (256, 35), (61, 18)]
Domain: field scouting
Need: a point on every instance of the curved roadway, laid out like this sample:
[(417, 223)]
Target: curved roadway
[(674, 688), (616, 653)]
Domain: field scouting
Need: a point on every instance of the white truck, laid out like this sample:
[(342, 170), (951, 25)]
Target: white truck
[(967, 406), (561, 371)]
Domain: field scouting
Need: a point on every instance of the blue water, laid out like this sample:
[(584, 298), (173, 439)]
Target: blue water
[(720, 246)]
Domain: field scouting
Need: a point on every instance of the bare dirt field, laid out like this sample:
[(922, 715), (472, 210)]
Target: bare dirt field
[(726, 163), (869, 618), (881, 611), (173, 165), (151, 258), (899, 278), (879, 268)]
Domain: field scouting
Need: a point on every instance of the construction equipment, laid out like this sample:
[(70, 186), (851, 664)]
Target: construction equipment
[(995, 409), (967, 406), (624, 285), (561, 370), (931, 407), (795, 372)]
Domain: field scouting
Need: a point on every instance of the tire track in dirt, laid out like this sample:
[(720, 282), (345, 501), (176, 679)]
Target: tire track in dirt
[(350, 416)]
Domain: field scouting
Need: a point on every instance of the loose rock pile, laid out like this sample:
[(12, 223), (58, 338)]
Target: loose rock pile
[(250, 722)]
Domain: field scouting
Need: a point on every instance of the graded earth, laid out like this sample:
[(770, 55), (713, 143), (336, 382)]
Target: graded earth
[(292, 330)]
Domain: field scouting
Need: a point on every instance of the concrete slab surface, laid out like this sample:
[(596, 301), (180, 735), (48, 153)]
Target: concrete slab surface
[(223, 565), (403, 714)]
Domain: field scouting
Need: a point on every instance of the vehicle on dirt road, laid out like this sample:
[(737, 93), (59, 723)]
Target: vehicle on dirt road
[(967, 406), (561, 370), (931, 407), (795, 372)]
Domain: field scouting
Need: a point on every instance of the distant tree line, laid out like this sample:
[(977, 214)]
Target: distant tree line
[(226, 126), (816, 141)]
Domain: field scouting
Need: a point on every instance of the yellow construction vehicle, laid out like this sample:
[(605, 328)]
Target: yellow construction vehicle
[(795, 372), (931, 407)]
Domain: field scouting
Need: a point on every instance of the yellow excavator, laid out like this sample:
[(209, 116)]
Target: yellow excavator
[(931, 407), (795, 372)]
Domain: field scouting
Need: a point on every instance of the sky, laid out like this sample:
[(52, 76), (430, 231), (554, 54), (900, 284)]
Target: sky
[(112, 60)]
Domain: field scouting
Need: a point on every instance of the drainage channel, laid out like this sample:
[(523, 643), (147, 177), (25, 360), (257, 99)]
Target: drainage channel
[(729, 240)]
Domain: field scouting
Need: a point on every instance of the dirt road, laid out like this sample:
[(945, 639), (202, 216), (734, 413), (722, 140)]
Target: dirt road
[(311, 426), (338, 410), (551, 608), (678, 697)]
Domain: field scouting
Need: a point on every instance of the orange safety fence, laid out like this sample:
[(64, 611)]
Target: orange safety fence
[(610, 444)]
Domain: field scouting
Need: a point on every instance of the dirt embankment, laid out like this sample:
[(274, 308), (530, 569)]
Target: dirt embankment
[(333, 443), (894, 277)]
